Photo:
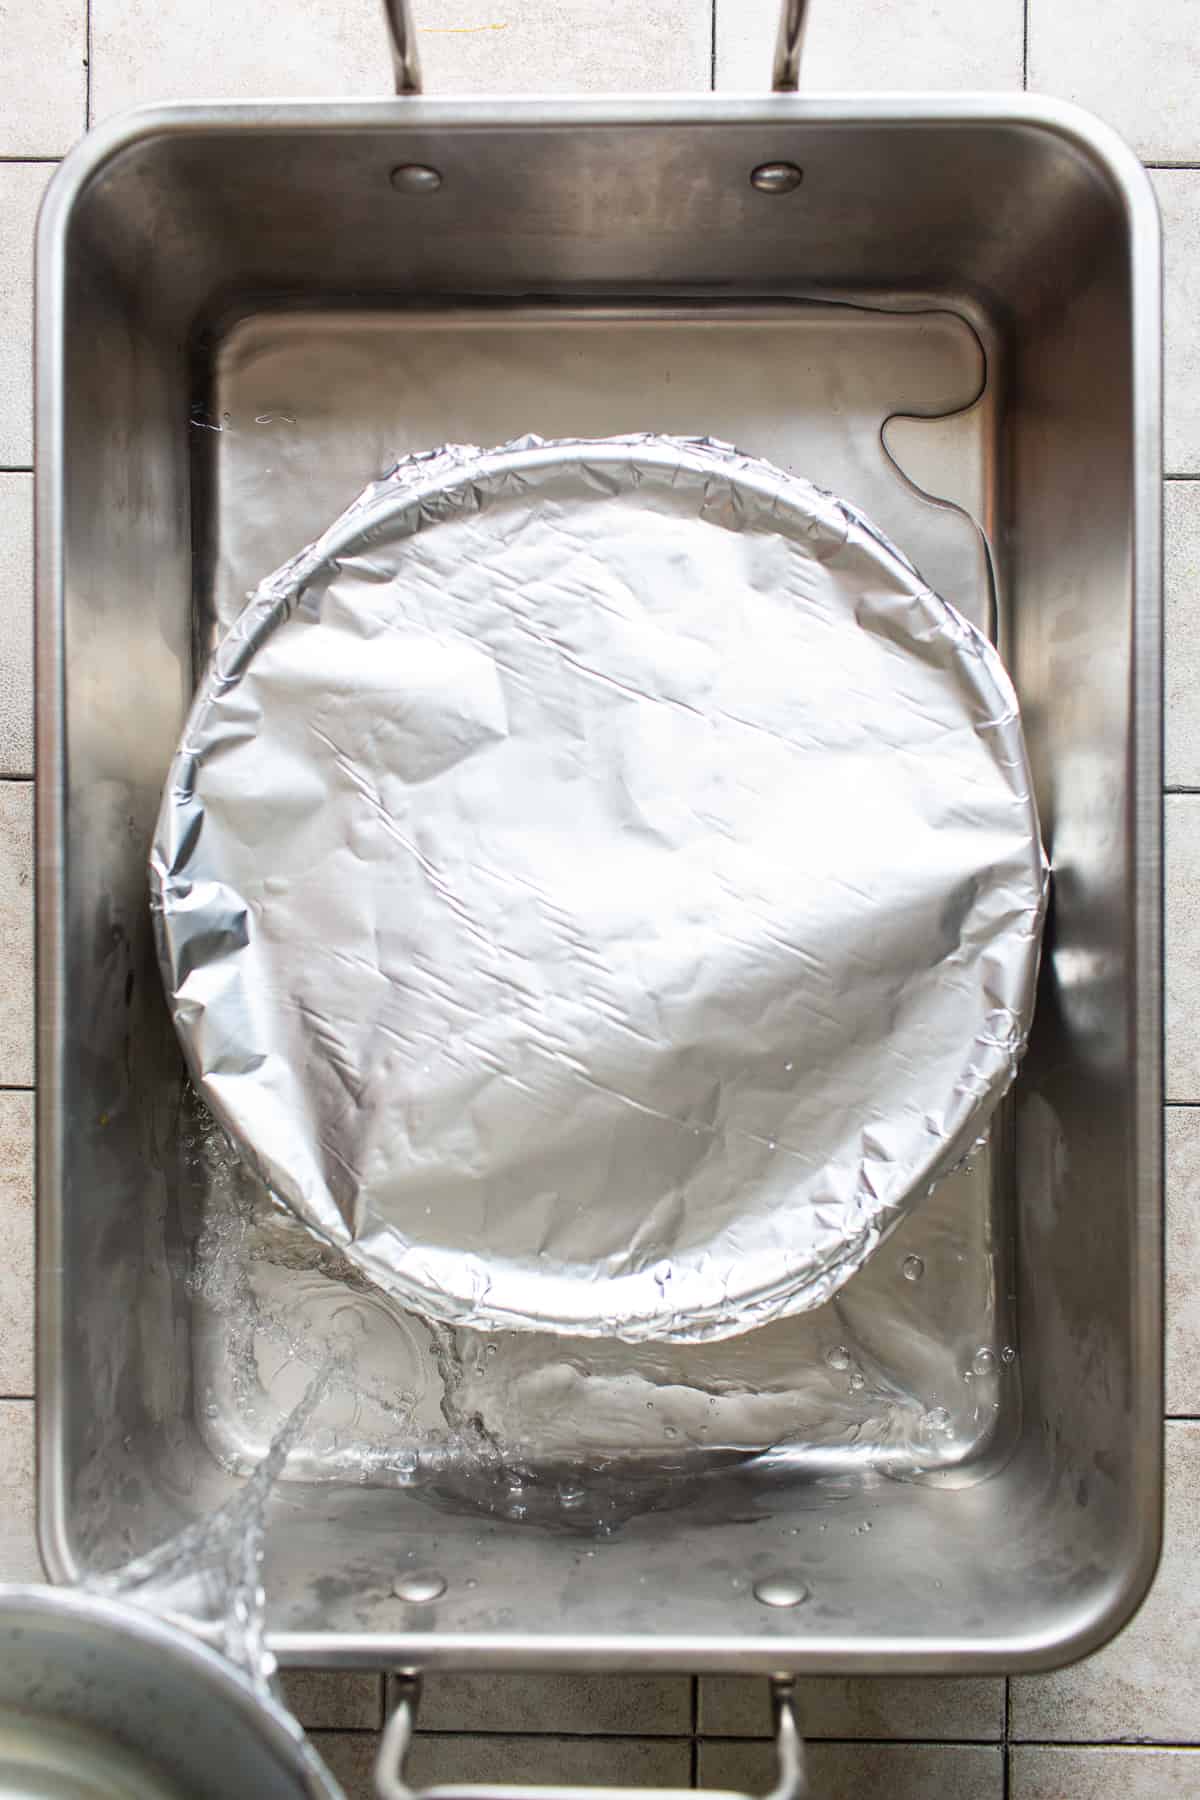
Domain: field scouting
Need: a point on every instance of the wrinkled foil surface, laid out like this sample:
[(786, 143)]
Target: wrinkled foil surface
[(599, 887)]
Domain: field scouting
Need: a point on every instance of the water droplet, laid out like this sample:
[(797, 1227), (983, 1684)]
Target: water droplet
[(1008, 1354), (471, 1582), (570, 1494), (858, 1381), (865, 1526), (938, 1418), (210, 1411), (838, 1357), (649, 1406), (780, 1590), (789, 1067), (420, 1587), (492, 1349), (670, 1431), (912, 1268), (984, 1361)]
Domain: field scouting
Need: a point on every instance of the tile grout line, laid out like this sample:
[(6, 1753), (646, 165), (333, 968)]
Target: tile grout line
[(694, 1751), (1189, 1745), (712, 83), (87, 65), (1005, 1777), (448, 1732)]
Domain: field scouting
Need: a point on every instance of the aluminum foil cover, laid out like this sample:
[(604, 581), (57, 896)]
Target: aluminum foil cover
[(599, 887)]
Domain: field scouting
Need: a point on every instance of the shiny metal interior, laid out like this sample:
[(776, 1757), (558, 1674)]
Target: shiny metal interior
[(98, 1698), (953, 321)]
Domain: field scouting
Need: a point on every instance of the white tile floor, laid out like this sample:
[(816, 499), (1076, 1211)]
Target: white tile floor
[(1140, 67)]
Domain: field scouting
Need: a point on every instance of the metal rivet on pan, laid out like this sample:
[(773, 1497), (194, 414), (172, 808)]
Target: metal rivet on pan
[(780, 1590), (776, 178), (415, 178), (420, 1587)]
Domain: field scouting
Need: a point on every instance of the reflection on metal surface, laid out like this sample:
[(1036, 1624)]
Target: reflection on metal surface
[(303, 412), (600, 885)]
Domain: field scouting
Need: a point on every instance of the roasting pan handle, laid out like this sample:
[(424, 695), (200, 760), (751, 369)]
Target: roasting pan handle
[(390, 1784), (406, 64)]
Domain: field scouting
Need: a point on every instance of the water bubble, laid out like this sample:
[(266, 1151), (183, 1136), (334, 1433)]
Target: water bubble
[(938, 1418), (789, 1067), (780, 1590), (670, 1431), (865, 1526), (570, 1494), (491, 1349), (838, 1357), (984, 1361), (858, 1381), (419, 1587), (1008, 1354), (912, 1268)]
